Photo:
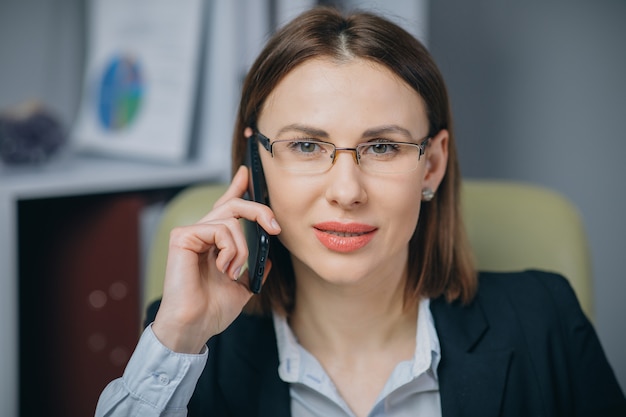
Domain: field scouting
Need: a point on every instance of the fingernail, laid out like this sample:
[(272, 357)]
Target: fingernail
[(275, 224), (237, 273), (225, 268)]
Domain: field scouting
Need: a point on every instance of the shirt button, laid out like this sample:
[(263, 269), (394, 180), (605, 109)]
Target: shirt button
[(163, 379)]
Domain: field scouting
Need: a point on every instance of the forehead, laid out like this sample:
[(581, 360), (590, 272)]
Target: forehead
[(355, 93)]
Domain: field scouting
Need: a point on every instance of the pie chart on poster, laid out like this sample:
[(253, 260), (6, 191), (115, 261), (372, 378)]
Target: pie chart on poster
[(120, 93)]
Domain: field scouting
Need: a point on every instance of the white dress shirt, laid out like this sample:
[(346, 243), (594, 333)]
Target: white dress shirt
[(411, 390), (160, 382)]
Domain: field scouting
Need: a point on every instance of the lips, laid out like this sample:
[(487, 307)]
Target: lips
[(344, 237)]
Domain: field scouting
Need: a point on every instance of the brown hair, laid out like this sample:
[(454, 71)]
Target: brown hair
[(440, 260)]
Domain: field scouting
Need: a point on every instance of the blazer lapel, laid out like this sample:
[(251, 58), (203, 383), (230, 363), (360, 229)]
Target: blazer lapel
[(471, 379), (248, 370)]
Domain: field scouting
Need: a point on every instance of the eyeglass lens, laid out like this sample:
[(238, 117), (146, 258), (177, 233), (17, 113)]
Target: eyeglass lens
[(317, 157)]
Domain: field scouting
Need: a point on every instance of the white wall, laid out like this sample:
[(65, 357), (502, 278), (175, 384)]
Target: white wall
[(41, 53), (539, 94)]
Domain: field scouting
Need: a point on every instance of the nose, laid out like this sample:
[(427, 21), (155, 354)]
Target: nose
[(345, 181)]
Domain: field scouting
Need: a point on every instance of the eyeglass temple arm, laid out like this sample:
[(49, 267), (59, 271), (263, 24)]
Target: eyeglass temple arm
[(264, 140), (422, 146)]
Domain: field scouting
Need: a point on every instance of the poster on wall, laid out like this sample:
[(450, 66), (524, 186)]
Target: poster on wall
[(140, 78)]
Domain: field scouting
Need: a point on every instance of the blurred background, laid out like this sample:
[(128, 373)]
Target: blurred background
[(538, 91)]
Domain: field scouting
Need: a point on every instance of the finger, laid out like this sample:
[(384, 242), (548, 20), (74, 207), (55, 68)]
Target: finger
[(244, 280), (231, 260), (237, 188), (187, 243), (231, 249), (238, 208), (244, 277)]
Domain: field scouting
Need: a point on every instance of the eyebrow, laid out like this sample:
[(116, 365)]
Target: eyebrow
[(385, 130), (368, 134), (307, 130)]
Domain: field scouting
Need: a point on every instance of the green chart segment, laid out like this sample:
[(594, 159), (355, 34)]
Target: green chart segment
[(121, 90)]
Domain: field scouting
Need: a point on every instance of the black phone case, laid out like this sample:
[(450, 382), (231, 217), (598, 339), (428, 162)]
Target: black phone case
[(257, 238)]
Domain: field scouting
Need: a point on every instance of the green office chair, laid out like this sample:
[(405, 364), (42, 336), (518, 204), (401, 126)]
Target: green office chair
[(187, 207), (511, 226)]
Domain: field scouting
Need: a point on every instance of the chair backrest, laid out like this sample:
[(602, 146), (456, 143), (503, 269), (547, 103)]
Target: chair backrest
[(185, 208), (511, 226)]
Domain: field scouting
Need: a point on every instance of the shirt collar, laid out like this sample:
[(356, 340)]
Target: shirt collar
[(425, 358)]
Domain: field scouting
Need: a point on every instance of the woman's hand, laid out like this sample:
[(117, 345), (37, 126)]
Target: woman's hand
[(204, 290)]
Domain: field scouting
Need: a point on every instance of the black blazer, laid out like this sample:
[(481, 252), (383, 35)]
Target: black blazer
[(523, 347)]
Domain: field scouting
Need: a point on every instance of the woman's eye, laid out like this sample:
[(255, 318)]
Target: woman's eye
[(381, 148), (304, 147)]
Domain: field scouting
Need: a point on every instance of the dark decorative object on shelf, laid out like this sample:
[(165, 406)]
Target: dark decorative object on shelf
[(29, 134)]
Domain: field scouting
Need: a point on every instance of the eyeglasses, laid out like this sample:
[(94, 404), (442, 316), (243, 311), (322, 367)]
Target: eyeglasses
[(315, 157)]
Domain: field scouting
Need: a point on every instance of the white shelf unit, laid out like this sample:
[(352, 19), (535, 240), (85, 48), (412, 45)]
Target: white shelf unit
[(71, 176)]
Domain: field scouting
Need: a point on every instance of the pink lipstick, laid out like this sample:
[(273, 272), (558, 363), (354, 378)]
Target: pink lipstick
[(344, 237)]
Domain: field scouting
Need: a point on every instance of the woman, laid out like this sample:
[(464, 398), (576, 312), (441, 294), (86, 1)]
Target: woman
[(371, 305)]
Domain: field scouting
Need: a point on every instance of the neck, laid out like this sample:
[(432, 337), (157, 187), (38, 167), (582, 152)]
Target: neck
[(339, 320)]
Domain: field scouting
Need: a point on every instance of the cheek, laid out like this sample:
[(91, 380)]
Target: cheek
[(405, 206), (290, 201), (288, 195), (400, 202)]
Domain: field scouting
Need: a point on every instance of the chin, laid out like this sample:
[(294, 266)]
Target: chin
[(342, 272)]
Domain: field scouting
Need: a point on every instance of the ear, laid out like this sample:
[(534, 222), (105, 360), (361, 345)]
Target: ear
[(436, 155)]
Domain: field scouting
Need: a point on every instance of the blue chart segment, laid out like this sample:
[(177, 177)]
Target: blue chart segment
[(121, 90)]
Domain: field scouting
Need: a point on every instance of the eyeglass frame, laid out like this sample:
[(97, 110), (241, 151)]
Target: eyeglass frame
[(268, 145)]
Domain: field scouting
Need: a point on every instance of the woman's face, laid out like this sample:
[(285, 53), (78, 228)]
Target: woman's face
[(346, 225)]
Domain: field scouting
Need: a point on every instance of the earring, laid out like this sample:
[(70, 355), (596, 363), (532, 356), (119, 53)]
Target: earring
[(427, 194)]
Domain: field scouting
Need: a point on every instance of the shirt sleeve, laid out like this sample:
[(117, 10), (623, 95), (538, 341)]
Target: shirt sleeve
[(156, 382)]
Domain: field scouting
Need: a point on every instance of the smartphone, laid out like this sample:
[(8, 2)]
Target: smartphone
[(257, 238)]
